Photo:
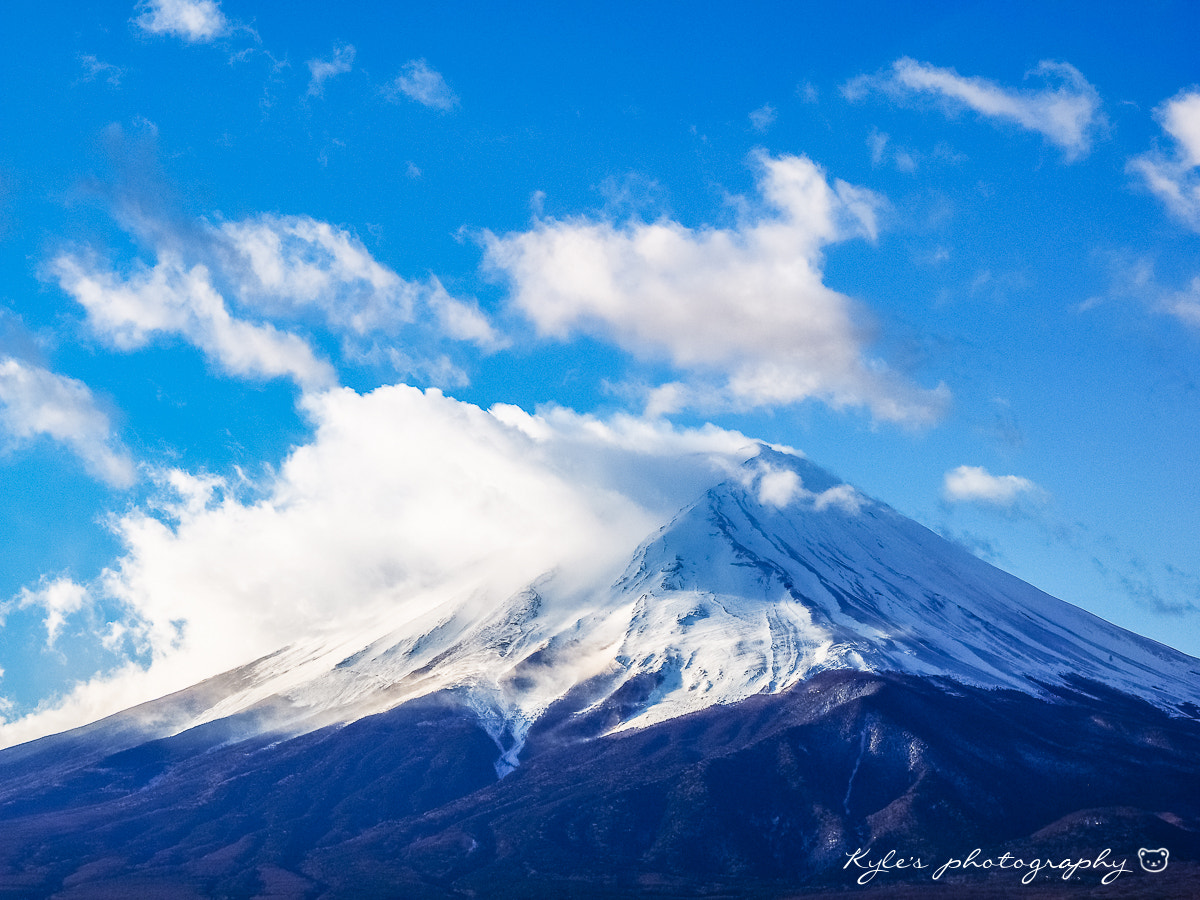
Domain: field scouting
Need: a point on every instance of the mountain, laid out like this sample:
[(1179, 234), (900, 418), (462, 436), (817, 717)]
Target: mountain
[(785, 673)]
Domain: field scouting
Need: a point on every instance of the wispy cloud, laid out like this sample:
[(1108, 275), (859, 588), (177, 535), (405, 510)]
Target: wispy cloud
[(417, 81), (883, 151), (284, 264), (1134, 278), (744, 305), (1166, 591), (94, 68), (238, 291), (763, 118), (172, 298), (195, 21), (35, 402), (1184, 305), (1175, 177), (321, 70), (403, 500), (1067, 112), (975, 484), (59, 598)]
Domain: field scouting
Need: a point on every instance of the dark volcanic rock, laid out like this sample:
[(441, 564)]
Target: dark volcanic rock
[(772, 794), (765, 798)]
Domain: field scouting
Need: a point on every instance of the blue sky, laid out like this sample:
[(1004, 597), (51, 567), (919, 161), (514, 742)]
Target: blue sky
[(949, 251)]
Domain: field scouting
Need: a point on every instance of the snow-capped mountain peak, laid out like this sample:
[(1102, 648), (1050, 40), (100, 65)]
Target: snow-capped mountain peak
[(777, 573)]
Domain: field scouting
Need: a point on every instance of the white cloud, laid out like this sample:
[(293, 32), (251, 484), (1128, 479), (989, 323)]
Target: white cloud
[(783, 487), (843, 496), (1135, 278), (172, 298), (975, 484), (86, 702), (35, 402), (273, 268), (884, 151), (877, 141), (745, 305), (194, 21), (461, 321), (1180, 118), (286, 264), (779, 488), (322, 70), (1184, 305), (1175, 178), (94, 68), (59, 598), (424, 85), (763, 118), (1066, 112), (403, 499)]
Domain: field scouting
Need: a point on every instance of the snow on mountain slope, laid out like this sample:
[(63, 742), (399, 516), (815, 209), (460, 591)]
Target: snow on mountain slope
[(763, 593), (773, 575)]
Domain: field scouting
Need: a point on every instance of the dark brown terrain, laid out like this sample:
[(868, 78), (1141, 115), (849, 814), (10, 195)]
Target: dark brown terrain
[(766, 798)]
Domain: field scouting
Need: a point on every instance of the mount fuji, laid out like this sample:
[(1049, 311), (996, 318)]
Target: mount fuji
[(783, 674)]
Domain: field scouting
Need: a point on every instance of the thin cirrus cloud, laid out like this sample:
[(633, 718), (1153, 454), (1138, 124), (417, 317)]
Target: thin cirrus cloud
[(37, 403), (1184, 305), (975, 484), (402, 499), (243, 281), (194, 21), (418, 82), (741, 312), (763, 118), (1066, 112), (321, 70), (1175, 177), (1134, 277), (94, 68)]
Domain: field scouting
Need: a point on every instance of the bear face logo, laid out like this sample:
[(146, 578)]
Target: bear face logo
[(1153, 860)]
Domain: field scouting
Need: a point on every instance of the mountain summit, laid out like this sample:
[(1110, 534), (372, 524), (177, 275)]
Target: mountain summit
[(777, 573), (859, 676)]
